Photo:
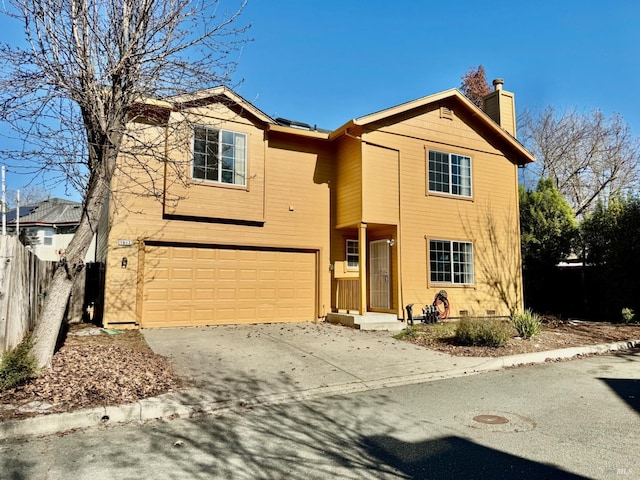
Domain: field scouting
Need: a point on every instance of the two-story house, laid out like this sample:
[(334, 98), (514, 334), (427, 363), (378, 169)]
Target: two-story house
[(254, 219)]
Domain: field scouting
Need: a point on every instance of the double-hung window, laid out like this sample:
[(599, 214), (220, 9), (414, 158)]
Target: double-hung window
[(220, 156), (451, 262), (449, 173), (353, 255), (48, 234)]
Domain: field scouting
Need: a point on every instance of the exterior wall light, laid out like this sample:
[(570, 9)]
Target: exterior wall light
[(391, 242), (124, 262)]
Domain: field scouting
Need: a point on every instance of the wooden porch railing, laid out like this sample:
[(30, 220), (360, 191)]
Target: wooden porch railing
[(348, 294)]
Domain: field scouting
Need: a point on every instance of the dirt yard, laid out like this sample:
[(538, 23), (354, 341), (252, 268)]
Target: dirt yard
[(94, 369)]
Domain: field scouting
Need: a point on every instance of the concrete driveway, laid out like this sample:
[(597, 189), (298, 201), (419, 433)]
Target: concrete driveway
[(230, 366), (242, 363), (292, 361)]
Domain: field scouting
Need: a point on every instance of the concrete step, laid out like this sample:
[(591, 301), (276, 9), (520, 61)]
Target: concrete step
[(388, 326), (369, 321)]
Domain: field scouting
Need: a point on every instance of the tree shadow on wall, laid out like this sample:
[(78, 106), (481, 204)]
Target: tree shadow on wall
[(497, 255)]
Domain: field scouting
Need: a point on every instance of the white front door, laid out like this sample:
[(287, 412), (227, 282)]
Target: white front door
[(379, 275)]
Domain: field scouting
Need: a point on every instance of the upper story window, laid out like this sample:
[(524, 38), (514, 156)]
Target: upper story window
[(353, 255), (451, 262), (449, 173), (220, 156)]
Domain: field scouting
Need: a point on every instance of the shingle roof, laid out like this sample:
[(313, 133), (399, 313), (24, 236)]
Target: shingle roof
[(24, 210), (48, 212)]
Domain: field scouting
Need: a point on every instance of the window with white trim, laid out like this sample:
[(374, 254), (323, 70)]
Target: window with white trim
[(219, 156), (353, 255), (47, 236), (451, 262), (449, 173)]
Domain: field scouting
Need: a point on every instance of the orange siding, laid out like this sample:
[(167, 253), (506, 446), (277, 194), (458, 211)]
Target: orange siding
[(489, 218), (508, 114), (349, 182), (339, 252), (310, 195), (500, 106), (297, 215), (492, 107), (201, 198), (379, 185)]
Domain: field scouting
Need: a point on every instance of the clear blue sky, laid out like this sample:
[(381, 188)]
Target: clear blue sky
[(327, 62)]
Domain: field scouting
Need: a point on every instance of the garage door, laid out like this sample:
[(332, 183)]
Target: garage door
[(208, 286)]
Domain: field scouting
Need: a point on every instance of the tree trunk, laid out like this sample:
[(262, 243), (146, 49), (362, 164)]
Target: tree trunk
[(50, 319)]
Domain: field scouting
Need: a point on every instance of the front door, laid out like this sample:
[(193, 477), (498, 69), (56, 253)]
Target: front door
[(379, 275)]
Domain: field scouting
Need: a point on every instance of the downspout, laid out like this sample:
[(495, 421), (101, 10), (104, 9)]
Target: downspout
[(399, 227)]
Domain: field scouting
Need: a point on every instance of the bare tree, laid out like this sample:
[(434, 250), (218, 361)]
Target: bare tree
[(85, 70), (29, 195), (588, 156), (475, 86)]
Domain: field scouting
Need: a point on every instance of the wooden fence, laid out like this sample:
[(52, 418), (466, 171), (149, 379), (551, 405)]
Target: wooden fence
[(348, 294), (23, 285)]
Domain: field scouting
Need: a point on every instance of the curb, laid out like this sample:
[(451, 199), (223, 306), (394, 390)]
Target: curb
[(191, 403)]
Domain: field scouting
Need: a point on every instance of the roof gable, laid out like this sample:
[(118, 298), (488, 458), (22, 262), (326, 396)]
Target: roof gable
[(506, 141), (221, 95)]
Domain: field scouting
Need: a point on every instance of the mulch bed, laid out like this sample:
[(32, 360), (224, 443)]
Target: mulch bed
[(555, 334), (92, 371)]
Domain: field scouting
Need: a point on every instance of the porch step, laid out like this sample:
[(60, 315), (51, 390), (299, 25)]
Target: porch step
[(369, 321)]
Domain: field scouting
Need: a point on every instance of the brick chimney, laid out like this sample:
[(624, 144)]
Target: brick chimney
[(500, 105)]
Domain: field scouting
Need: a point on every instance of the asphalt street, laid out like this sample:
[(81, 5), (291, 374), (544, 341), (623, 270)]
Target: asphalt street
[(575, 419)]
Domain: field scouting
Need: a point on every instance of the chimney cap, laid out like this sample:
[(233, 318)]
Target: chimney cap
[(497, 83)]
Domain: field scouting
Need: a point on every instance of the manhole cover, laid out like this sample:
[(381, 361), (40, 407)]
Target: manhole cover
[(491, 419), (496, 421)]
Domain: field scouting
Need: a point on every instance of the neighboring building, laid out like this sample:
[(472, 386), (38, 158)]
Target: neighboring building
[(268, 220), (47, 226)]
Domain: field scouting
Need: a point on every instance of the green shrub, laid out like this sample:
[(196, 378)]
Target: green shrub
[(412, 331), (18, 365), (527, 323), (627, 315), (483, 332)]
